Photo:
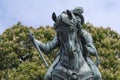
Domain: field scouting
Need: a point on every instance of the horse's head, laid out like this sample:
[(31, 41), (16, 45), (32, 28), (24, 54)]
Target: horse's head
[(66, 28)]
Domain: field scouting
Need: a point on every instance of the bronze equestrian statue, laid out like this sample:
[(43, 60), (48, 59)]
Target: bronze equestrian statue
[(72, 61)]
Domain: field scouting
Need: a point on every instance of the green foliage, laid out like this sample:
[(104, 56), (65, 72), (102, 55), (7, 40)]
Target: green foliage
[(14, 43), (107, 43)]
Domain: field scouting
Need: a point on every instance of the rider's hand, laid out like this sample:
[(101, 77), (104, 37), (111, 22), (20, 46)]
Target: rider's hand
[(97, 62), (31, 36)]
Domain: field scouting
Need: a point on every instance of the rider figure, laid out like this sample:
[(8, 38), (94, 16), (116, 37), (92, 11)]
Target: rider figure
[(86, 40)]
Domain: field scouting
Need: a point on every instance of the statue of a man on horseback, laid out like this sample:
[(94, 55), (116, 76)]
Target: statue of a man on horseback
[(72, 61)]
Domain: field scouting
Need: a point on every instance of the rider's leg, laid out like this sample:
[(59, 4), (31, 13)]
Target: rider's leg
[(95, 70), (48, 74)]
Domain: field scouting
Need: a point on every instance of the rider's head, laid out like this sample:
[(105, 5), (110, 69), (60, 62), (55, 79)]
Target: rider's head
[(78, 12)]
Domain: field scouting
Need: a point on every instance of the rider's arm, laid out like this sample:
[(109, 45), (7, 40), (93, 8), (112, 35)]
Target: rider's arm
[(46, 48), (89, 44)]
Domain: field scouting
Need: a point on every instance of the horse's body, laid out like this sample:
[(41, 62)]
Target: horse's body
[(72, 65)]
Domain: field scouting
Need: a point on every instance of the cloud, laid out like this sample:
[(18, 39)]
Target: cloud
[(38, 12)]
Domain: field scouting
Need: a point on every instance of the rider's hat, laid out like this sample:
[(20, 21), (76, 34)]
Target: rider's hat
[(78, 10)]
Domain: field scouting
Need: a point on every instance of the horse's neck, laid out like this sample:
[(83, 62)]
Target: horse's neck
[(72, 59), (77, 47)]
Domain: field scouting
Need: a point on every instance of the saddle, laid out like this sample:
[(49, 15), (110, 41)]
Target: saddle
[(67, 74)]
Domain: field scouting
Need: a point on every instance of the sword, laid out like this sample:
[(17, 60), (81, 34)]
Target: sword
[(32, 38)]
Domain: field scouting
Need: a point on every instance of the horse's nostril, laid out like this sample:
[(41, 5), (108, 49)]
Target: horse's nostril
[(72, 29), (75, 50)]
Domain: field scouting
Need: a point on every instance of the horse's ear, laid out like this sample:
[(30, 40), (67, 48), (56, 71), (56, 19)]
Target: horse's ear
[(54, 18), (69, 14)]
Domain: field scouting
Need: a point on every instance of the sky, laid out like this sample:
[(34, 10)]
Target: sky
[(35, 13)]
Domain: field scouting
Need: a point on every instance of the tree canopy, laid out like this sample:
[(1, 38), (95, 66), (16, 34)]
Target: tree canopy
[(14, 44)]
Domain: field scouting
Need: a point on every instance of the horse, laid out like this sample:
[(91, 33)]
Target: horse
[(71, 65)]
